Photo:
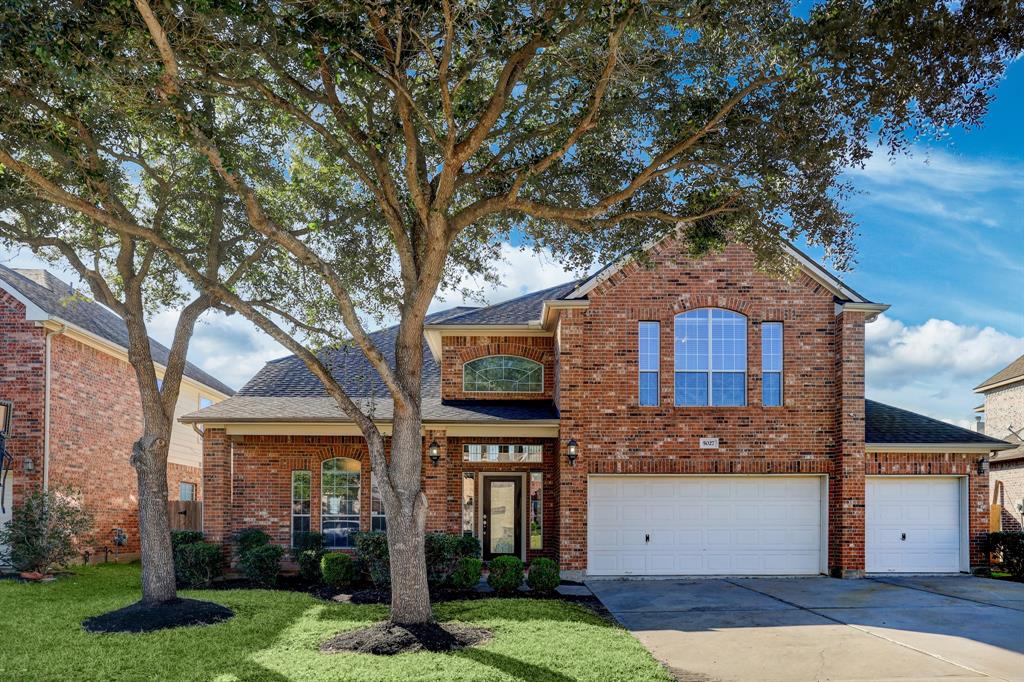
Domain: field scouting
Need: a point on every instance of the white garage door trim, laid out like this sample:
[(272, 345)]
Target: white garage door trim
[(883, 539), (5, 515), (608, 557)]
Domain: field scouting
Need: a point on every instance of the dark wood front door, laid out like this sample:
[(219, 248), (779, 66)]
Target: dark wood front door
[(503, 516)]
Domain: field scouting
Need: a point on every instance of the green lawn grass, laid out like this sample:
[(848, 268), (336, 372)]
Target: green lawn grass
[(275, 635)]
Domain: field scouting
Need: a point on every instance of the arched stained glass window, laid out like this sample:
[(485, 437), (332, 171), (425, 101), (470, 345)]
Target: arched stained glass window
[(339, 501), (503, 374)]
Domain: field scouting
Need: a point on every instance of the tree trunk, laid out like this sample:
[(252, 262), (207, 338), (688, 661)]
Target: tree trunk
[(149, 457), (410, 594)]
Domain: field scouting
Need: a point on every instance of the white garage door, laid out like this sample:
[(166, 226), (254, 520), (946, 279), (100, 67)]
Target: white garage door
[(912, 525), (724, 525), (5, 513)]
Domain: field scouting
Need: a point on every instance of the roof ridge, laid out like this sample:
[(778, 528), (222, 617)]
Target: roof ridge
[(517, 298)]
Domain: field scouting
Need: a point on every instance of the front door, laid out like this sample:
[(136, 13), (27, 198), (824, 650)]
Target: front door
[(502, 516)]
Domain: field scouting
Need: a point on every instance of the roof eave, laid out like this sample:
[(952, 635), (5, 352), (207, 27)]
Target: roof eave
[(998, 384), (981, 448)]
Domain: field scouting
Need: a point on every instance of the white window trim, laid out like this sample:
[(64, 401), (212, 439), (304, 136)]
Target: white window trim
[(338, 517), (292, 515), (641, 371), (503, 355), (782, 362), (710, 370), (465, 447)]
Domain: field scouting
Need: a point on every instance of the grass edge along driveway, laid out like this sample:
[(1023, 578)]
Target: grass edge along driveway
[(274, 636)]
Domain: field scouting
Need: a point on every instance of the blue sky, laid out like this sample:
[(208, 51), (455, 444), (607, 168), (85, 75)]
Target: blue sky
[(941, 240)]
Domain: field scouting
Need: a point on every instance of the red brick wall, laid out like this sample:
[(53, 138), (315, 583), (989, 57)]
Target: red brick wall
[(179, 473), (944, 464), (846, 485), (22, 380), (1011, 474), (91, 391), (598, 377), (458, 350)]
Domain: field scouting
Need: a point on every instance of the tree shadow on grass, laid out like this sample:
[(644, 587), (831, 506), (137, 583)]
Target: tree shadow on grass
[(518, 669)]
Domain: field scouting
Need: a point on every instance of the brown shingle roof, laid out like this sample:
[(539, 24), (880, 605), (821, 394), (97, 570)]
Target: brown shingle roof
[(1014, 370)]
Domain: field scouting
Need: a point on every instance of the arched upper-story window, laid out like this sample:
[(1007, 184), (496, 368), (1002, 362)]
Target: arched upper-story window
[(711, 357), (339, 500), (503, 374)]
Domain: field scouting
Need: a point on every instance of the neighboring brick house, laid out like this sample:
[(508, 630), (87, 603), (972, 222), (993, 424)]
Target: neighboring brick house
[(677, 417), (76, 404), (1003, 412)]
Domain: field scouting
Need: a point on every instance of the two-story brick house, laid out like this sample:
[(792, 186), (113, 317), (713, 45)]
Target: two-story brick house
[(1003, 412), (682, 417), (76, 405)]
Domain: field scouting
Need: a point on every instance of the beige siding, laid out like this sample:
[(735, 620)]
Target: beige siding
[(186, 445)]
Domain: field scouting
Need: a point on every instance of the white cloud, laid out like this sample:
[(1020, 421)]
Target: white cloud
[(933, 367), (940, 172)]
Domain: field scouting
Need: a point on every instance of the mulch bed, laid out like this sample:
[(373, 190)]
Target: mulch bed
[(140, 617), (388, 639)]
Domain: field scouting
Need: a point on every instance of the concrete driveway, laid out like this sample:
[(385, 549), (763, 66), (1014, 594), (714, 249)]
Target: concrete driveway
[(899, 628)]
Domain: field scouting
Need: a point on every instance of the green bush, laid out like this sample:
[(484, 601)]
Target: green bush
[(443, 552), (196, 564), (506, 574), (1010, 546), (543, 576), (43, 531), (338, 569), (261, 563), (250, 538), (467, 573), (372, 553), (307, 550), (185, 537)]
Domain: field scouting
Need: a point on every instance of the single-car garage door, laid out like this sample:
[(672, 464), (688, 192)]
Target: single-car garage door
[(722, 525), (912, 524)]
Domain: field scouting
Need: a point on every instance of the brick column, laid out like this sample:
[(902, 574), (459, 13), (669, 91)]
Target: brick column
[(435, 482), (846, 485), (572, 479), (216, 486)]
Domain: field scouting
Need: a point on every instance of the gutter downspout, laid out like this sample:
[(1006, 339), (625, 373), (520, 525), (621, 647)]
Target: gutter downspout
[(50, 333)]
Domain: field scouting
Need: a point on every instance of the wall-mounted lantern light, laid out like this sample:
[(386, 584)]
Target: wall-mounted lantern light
[(983, 465), (434, 450), (572, 451), (28, 466), (6, 410)]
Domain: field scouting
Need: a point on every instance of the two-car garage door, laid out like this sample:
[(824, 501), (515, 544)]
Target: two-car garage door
[(765, 525), (691, 525)]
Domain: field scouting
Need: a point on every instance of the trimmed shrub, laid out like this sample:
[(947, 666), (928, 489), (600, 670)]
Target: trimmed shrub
[(43, 531), (372, 553), (1010, 546), (250, 538), (196, 564), (338, 569), (442, 552), (506, 574), (185, 537), (467, 573), (261, 564), (543, 576), (469, 546), (307, 552)]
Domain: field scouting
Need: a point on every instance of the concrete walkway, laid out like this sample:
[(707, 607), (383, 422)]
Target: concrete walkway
[(900, 628)]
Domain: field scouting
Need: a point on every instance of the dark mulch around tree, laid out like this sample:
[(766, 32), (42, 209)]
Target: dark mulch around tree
[(388, 639), (140, 617)]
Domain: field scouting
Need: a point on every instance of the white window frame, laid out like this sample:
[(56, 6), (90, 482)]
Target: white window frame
[(782, 362), (710, 371), (341, 517), (195, 490), (502, 355), (641, 371), (292, 514)]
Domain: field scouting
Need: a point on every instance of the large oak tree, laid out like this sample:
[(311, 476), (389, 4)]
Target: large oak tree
[(393, 145)]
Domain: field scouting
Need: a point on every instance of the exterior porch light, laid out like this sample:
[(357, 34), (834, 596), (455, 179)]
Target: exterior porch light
[(983, 465), (572, 450), (435, 452)]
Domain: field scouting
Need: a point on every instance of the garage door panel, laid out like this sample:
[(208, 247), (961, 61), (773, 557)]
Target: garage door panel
[(913, 525), (719, 526)]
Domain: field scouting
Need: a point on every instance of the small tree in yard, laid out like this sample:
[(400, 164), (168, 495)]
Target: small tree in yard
[(390, 147), (43, 531)]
